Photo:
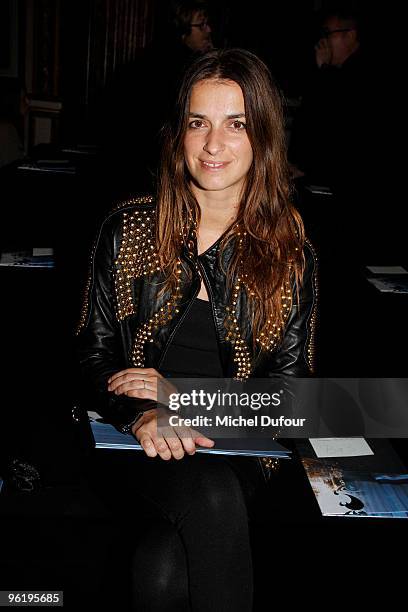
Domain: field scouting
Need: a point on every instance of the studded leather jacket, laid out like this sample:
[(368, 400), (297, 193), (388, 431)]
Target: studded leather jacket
[(126, 323)]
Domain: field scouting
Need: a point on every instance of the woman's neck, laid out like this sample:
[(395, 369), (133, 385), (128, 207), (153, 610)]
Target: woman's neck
[(216, 217), (217, 210)]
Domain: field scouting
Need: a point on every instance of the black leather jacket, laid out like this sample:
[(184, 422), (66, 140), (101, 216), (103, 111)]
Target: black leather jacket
[(126, 323)]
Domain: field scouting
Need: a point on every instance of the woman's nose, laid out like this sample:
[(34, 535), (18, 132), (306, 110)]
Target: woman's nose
[(214, 143)]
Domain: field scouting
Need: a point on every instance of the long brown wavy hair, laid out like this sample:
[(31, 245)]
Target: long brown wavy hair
[(271, 253)]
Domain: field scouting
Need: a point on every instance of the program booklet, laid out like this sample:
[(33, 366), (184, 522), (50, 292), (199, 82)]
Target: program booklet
[(32, 258), (107, 436), (370, 486), (388, 279)]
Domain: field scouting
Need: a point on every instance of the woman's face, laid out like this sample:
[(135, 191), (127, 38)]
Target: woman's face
[(217, 150)]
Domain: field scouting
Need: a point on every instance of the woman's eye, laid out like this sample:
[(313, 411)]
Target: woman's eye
[(239, 125), (195, 124)]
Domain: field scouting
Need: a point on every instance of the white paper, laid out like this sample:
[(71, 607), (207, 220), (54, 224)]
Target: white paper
[(8, 258), (387, 269), (340, 447), (41, 252)]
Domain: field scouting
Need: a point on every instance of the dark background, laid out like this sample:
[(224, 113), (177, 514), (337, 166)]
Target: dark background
[(68, 52)]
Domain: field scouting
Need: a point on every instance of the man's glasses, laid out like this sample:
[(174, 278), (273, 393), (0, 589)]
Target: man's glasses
[(202, 25), (328, 33)]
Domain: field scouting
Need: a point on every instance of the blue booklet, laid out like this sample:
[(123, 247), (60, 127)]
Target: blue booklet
[(374, 486), (106, 436)]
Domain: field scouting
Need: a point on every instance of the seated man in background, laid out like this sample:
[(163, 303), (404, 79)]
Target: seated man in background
[(342, 138), (329, 130)]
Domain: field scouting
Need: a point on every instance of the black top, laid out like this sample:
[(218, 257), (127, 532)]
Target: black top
[(193, 352)]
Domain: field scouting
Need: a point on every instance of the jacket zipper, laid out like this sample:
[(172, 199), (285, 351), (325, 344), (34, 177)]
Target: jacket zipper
[(211, 300), (170, 338)]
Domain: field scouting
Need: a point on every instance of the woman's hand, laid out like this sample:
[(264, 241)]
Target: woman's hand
[(173, 442), (139, 382)]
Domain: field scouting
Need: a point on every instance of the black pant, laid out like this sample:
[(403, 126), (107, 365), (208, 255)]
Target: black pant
[(185, 526)]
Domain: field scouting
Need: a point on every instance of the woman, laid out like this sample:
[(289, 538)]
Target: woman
[(214, 279)]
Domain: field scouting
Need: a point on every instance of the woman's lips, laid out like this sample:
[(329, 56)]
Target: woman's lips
[(213, 166)]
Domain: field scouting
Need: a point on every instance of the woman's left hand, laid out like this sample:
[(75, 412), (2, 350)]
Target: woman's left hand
[(138, 382)]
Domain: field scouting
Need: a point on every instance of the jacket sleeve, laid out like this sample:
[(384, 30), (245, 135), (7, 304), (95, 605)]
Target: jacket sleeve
[(295, 355), (100, 348)]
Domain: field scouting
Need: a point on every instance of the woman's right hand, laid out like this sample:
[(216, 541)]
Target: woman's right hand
[(179, 440)]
